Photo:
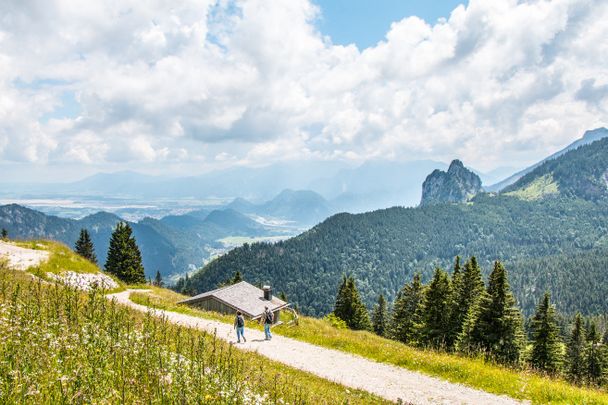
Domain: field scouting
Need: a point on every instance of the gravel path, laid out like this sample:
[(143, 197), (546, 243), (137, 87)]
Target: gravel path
[(384, 380), (20, 258)]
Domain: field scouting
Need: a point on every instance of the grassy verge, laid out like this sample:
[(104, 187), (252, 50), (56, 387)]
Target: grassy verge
[(474, 372), (62, 346)]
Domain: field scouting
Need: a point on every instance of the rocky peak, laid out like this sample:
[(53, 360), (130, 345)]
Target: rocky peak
[(458, 184)]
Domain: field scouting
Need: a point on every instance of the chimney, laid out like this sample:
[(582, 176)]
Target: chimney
[(267, 293)]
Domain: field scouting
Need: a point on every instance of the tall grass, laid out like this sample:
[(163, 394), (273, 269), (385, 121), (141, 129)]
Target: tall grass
[(60, 346)]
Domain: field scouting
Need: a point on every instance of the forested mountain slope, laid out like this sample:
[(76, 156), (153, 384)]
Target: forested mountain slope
[(383, 249)]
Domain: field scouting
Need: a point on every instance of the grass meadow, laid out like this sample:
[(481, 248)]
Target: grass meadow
[(471, 371)]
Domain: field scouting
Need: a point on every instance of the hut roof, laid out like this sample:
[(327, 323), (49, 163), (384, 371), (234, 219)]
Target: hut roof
[(241, 296)]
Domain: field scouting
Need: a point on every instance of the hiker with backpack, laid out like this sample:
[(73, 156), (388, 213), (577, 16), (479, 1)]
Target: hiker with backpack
[(239, 325), (268, 318)]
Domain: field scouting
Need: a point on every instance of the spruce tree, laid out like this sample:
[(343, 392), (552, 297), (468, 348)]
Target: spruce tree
[(379, 316), (575, 351), (468, 289), (84, 246), (4, 234), (406, 311), (158, 280), (349, 306), (434, 329), (283, 296), (546, 355), (124, 257), (595, 366), (498, 325), (343, 307)]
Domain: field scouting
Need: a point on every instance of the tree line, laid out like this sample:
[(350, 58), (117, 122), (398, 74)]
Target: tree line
[(460, 313)]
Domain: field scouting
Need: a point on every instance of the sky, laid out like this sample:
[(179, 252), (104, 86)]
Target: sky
[(186, 87)]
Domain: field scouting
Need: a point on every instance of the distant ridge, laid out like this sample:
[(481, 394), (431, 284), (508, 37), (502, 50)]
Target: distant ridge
[(589, 137)]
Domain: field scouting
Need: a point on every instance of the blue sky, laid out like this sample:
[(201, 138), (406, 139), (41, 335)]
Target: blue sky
[(365, 22)]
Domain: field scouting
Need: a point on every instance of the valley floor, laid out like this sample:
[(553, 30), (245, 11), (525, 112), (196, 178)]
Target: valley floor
[(390, 382)]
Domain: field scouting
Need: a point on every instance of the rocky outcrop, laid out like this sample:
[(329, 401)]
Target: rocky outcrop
[(456, 185)]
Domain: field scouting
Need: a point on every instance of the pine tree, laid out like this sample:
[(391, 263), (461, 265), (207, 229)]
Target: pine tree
[(158, 280), (379, 316), (434, 329), (594, 357), (349, 306), (546, 354), (4, 234), (575, 351), (124, 257), (498, 325), (593, 334), (468, 289), (343, 307), (406, 311), (84, 246)]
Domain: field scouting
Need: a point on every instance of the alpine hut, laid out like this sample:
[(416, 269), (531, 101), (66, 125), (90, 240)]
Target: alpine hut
[(242, 296)]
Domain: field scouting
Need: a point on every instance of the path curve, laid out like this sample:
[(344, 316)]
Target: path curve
[(21, 258), (353, 371)]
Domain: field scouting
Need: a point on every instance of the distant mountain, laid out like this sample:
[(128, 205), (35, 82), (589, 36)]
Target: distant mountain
[(458, 184), (24, 223), (553, 241), (588, 137), (370, 185), (582, 172), (302, 207), (172, 245)]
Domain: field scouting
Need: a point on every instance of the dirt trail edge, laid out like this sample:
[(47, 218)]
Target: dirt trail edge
[(384, 380)]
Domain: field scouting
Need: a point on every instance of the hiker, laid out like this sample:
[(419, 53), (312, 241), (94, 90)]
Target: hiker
[(268, 318), (239, 325)]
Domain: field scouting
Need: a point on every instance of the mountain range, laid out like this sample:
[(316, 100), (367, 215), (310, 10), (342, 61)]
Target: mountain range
[(549, 227), (588, 137)]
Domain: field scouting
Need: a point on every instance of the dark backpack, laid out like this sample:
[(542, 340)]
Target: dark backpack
[(240, 322), (269, 317)]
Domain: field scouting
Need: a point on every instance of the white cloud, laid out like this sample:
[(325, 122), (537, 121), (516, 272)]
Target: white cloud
[(252, 81)]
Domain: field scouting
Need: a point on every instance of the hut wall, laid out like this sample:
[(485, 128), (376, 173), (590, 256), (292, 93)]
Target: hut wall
[(215, 306)]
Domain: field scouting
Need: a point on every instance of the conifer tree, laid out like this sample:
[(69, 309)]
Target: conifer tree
[(406, 311), (349, 306), (498, 325), (124, 257), (4, 234), (158, 280), (593, 334), (84, 246), (343, 307), (283, 296), (546, 354), (594, 358), (379, 316), (434, 329), (605, 339), (468, 289), (575, 351)]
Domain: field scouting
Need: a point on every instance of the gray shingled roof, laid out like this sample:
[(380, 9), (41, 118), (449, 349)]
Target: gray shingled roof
[(241, 296)]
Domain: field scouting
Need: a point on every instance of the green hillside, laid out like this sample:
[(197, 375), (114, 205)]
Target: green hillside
[(60, 345), (384, 248)]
